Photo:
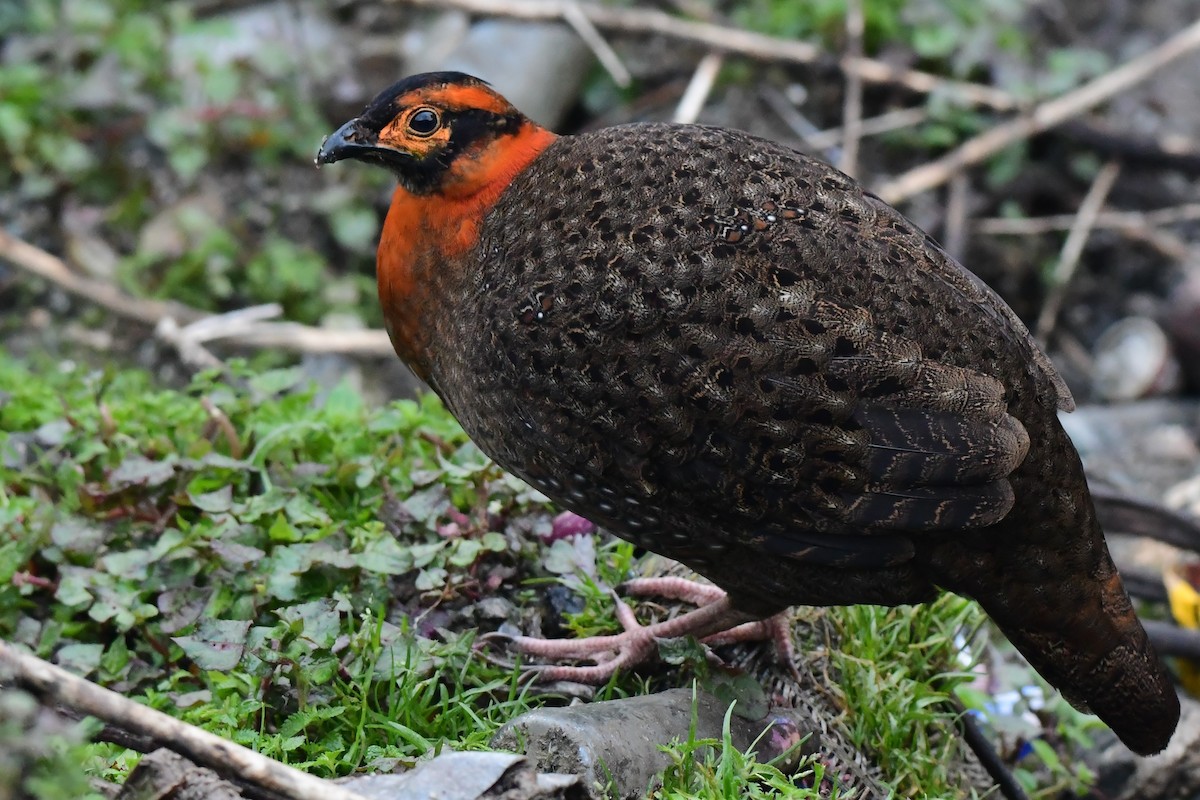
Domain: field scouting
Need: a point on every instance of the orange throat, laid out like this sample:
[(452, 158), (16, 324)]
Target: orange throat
[(426, 239)]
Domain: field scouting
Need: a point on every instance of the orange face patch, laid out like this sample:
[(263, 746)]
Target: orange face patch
[(458, 98), (419, 130)]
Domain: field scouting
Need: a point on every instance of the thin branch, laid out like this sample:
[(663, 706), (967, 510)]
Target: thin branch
[(871, 126), (298, 338), (852, 103), (1073, 247), (729, 40), (585, 30), (801, 126), (1043, 117), (954, 235), (1167, 243), (38, 262), (699, 88), (56, 685), (243, 327), (1119, 220)]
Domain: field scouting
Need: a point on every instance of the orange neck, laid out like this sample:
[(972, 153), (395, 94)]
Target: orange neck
[(425, 237)]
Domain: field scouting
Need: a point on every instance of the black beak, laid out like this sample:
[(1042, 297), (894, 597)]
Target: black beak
[(356, 140)]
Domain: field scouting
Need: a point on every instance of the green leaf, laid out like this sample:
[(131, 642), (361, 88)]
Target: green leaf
[(494, 542), (217, 644), (76, 535), (137, 470), (115, 659), (276, 381), (319, 621), (15, 128), (215, 502), (465, 552), (79, 658), (385, 556), (73, 587), (1046, 753), (430, 579), (344, 402), (355, 227), (424, 554), (282, 530)]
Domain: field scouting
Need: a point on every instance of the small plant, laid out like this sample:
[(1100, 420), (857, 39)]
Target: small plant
[(712, 768), (197, 168), (253, 547)]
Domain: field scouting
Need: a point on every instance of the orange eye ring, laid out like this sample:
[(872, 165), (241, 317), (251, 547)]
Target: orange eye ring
[(424, 122)]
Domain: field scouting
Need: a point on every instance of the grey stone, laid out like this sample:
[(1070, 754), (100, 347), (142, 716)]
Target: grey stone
[(467, 776), (616, 744), (516, 58)]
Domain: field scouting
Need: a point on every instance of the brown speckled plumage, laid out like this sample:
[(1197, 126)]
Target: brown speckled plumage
[(729, 354)]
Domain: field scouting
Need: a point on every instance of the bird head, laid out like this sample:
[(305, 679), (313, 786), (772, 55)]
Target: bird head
[(443, 133)]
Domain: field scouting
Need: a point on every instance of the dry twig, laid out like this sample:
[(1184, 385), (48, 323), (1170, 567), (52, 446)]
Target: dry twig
[(954, 232), (699, 88), (56, 685), (38, 262), (1043, 117), (585, 30), (800, 124), (852, 103), (244, 327), (1118, 220), (1072, 248), (724, 39), (1168, 244), (871, 126)]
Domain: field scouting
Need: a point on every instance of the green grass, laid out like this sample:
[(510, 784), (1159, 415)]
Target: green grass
[(714, 768), (289, 570), (250, 572)]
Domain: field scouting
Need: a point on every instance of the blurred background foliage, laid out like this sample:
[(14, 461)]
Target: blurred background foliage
[(167, 152), (162, 147)]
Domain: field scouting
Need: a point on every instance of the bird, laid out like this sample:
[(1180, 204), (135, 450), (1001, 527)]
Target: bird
[(731, 354)]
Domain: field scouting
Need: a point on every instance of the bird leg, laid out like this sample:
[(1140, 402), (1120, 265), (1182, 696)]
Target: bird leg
[(716, 621), (776, 629)]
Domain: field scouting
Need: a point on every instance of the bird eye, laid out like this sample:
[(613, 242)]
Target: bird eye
[(424, 122)]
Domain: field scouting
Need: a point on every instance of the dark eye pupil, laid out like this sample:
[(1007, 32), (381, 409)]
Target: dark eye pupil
[(423, 122)]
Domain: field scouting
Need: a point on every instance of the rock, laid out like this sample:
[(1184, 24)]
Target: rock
[(468, 776), (163, 773), (619, 741), (1123, 445), (515, 57), (1134, 360), (1173, 773)]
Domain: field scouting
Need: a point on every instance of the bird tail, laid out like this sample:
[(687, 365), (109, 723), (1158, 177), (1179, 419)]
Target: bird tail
[(1045, 577), (1097, 654)]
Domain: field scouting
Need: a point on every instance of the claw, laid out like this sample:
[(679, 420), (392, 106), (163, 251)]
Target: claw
[(637, 642)]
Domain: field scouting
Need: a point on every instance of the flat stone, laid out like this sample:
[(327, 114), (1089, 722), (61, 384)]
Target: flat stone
[(619, 741)]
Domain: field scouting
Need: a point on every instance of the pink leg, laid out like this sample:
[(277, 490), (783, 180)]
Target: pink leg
[(698, 594), (627, 649), (776, 629), (714, 622)]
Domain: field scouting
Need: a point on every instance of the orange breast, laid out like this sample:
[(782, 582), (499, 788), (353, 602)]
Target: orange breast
[(427, 238)]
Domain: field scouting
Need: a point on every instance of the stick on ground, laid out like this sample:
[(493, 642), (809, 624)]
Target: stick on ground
[(56, 685), (1043, 117), (244, 327), (726, 39)]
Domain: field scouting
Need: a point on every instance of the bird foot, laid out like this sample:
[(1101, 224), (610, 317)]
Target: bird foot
[(776, 629), (714, 622)]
